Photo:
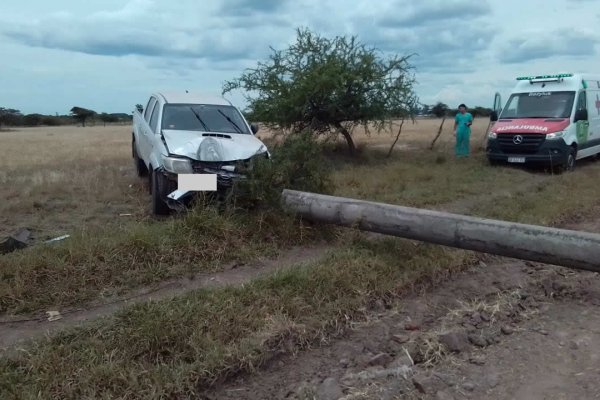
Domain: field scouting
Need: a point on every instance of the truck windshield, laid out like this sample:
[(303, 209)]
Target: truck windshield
[(204, 118), (539, 105)]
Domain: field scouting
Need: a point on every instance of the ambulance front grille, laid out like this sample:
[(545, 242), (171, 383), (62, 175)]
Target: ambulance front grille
[(530, 143)]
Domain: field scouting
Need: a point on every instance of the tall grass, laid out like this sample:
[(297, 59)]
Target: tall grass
[(180, 347)]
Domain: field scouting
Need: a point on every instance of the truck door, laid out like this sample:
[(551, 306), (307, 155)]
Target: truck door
[(582, 126), (497, 109), (147, 136)]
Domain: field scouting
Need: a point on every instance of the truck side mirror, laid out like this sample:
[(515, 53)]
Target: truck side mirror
[(140, 109), (254, 128), (581, 115), (494, 116)]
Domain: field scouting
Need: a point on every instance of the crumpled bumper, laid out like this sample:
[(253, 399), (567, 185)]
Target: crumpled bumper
[(181, 198)]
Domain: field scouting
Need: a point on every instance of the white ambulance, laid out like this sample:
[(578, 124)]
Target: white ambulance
[(552, 120)]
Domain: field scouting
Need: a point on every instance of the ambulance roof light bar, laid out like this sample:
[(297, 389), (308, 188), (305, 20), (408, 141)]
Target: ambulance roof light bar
[(544, 78)]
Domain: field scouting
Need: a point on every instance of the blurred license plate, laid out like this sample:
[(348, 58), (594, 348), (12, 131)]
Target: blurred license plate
[(520, 160)]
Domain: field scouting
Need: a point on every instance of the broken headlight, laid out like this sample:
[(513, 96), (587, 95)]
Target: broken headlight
[(177, 165)]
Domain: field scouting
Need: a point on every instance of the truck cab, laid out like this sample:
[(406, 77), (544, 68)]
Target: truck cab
[(182, 133), (549, 120)]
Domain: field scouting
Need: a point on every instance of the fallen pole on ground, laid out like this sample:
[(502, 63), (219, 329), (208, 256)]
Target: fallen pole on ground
[(567, 248)]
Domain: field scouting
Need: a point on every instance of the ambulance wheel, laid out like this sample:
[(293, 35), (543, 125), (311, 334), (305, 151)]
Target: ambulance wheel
[(571, 160), (569, 164)]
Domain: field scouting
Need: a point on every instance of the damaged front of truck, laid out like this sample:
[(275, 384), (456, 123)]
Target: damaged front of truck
[(210, 145)]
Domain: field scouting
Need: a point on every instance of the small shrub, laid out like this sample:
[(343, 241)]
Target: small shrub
[(297, 163)]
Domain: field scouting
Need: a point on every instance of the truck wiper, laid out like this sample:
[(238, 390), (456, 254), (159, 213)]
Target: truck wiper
[(230, 121), (200, 120)]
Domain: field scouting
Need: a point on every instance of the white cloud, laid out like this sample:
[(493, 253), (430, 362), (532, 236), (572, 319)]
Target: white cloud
[(466, 48), (543, 44)]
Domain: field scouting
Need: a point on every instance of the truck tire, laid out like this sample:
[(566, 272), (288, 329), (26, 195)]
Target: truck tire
[(140, 167), (157, 188)]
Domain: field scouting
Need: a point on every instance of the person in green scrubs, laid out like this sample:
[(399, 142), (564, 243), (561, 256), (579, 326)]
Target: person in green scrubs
[(462, 131)]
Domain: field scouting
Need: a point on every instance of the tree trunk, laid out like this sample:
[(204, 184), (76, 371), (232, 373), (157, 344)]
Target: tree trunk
[(347, 136), (579, 250), (438, 134), (396, 141)]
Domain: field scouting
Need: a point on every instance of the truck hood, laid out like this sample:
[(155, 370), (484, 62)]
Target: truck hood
[(212, 146), (531, 125)]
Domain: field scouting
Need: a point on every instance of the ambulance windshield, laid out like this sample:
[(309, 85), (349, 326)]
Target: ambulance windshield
[(539, 105)]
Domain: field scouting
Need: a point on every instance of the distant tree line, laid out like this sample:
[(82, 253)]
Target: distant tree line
[(440, 110), (10, 117)]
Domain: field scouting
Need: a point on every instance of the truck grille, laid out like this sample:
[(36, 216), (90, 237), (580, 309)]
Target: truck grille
[(529, 145), (211, 167), (225, 178)]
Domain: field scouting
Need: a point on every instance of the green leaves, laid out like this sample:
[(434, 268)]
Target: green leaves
[(319, 83)]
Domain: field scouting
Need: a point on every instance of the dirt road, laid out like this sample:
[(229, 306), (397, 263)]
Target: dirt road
[(18, 330), (503, 330)]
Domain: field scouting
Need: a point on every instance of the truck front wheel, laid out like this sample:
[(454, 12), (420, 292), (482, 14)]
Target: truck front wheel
[(158, 185)]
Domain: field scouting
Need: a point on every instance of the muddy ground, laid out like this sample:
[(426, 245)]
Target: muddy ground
[(506, 329), (509, 330)]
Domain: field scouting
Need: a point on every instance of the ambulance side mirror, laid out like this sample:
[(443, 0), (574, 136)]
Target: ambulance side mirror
[(581, 115), (494, 116)]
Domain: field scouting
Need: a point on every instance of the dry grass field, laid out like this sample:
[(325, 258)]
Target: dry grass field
[(78, 181), (57, 180)]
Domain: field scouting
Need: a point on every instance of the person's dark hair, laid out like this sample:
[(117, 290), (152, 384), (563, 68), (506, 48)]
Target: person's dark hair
[(462, 105)]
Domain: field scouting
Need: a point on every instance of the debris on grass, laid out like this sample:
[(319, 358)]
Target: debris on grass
[(53, 315), (58, 239)]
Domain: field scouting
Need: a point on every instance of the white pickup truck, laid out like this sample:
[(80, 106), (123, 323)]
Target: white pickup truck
[(185, 133)]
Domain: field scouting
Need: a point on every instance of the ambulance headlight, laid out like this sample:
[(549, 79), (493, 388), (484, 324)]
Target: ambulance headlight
[(492, 135), (555, 135)]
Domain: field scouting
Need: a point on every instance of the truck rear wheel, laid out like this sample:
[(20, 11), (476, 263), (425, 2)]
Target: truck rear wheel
[(140, 167), (158, 185)]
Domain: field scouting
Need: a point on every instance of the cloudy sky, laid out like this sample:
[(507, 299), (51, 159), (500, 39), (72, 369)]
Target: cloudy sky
[(108, 55)]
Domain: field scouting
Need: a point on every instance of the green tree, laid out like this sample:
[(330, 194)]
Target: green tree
[(108, 118), (82, 114), (481, 111), (440, 110), (51, 120), (10, 116), (328, 85), (33, 119)]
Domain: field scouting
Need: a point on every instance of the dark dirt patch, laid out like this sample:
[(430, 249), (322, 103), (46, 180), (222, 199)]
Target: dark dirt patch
[(532, 333)]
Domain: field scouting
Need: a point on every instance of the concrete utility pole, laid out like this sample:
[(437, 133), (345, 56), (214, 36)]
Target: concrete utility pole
[(573, 249)]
